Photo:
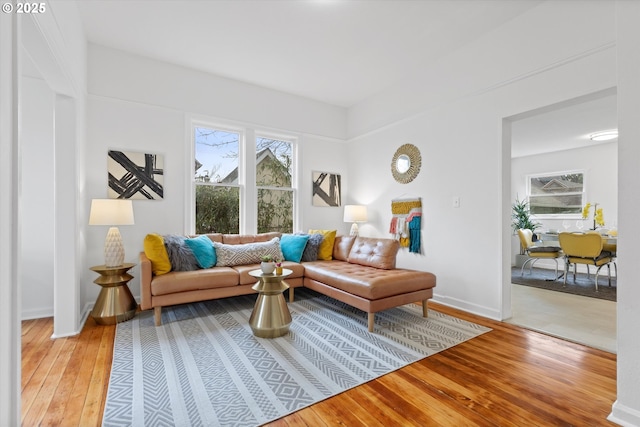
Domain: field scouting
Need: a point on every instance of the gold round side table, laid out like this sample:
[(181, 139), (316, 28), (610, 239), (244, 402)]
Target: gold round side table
[(115, 302), (270, 317)]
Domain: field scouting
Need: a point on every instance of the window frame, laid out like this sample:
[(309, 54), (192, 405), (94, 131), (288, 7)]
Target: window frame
[(294, 164), (191, 202), (562, 215), (248, 189)]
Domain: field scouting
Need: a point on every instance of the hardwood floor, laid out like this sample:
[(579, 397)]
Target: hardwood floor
[(507, 377)]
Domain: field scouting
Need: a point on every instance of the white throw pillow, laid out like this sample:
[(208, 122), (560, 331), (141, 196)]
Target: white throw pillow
[(247, 253)]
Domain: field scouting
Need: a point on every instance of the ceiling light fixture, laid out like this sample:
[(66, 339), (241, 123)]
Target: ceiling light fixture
[(605, 135)]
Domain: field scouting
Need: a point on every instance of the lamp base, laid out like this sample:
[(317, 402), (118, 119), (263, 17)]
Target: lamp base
[(354, 229), (113, 248)]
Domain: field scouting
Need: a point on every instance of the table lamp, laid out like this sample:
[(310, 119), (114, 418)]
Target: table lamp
[(355, 214), (112, 212)]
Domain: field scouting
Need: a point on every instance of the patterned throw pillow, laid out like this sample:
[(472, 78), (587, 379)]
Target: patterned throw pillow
[(202, 248), (311, 249), (248, 253), (180, 254)]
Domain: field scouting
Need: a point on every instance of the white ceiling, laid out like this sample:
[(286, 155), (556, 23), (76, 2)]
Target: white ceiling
[(336, 51), (565, 126), (341, 52)]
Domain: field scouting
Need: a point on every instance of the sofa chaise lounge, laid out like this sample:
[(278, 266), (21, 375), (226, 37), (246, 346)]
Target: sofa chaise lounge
[(361, 272)]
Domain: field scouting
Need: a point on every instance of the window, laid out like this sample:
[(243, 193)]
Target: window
[(217, 195), (225, 200), (560, 193), (274, 163)]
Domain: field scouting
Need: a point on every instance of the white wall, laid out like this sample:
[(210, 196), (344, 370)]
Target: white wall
[(54, 43), (37, 222), (136, 104), (626, 410), (10, 348), (459, 133)]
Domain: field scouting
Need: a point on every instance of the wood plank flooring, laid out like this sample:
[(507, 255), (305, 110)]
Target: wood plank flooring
[(507, 377)]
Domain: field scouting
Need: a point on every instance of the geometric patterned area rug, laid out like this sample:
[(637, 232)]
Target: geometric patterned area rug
[(204, 366), (584, 285)]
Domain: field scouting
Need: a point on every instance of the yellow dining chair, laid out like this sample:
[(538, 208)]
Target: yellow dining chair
[(584, 248), (613, 248), (534, 253)]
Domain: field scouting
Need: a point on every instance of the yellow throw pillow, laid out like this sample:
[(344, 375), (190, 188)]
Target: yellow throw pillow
[(325, 252), (155, 250)]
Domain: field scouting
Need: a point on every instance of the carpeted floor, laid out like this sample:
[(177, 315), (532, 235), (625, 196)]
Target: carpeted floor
[(585, 286), (203, 366)]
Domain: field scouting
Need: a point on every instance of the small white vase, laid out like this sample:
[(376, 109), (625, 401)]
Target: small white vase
[(267, 267)]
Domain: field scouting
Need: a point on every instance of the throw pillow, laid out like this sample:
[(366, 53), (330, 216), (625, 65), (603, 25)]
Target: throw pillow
[(325, 252), (202, 248), (155, 250), (310, 252), (180, 254), (247, 253), (293, 245)]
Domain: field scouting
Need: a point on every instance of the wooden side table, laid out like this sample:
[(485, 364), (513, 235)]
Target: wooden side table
[(270, 317), (115, 303)]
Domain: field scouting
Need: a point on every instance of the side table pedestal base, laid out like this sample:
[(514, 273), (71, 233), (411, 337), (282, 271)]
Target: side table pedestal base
[(115, 302), (114, 305), (270, 317)]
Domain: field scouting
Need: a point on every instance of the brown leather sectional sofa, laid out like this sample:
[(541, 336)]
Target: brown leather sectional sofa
[(362, 274)]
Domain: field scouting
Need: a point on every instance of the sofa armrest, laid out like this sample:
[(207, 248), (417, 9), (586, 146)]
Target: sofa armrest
[(146, 274)]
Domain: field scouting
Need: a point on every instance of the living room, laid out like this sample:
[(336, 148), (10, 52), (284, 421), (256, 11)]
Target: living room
[(454, 112)]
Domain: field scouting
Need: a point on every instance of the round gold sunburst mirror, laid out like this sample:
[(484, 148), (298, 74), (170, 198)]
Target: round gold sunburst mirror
[(406, 163)]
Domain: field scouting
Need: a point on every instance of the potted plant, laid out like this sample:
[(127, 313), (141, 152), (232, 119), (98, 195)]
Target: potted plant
[(521, 218), (267, 264)]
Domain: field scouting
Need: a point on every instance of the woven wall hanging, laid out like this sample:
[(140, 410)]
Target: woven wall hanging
[(406, 222)]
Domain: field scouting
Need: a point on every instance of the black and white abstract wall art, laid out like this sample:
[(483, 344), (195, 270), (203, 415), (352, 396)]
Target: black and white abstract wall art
[(135, 175), (326, 189)]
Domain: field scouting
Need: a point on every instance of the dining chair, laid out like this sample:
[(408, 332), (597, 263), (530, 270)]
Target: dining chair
[(584, 248), (613, 248), (535, 253)]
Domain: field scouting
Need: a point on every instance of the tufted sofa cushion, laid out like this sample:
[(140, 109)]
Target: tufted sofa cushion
[(368, 282), (342, 246), (372, 252)]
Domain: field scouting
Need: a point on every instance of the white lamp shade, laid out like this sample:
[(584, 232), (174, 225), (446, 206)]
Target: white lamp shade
[(111, 212), (355, 213)]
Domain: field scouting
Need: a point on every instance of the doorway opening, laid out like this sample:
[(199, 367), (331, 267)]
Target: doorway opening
[(553, 139)]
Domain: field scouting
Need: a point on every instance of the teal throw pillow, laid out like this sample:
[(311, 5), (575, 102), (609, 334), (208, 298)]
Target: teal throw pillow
[(293, 245), (202, 248)]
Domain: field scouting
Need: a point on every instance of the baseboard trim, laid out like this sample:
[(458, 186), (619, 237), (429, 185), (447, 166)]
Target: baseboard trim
[(466, 306), (623, 415), (37, 313)]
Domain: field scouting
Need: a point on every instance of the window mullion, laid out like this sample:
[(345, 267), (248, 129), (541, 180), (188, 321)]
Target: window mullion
[(249, 196)]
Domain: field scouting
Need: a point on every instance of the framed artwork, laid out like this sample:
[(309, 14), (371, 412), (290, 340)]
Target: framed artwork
[(134, 175), (327, 189)]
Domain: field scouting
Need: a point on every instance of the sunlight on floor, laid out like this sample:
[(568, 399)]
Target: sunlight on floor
[(584, 320)]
